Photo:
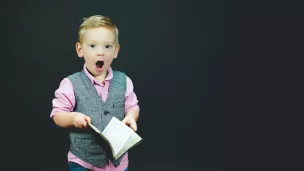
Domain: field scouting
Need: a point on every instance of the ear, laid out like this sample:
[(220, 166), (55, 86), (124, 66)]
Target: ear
[(79, 50), (116, 51)]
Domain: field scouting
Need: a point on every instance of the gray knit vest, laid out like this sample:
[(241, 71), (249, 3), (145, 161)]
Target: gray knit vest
[(85, 143)]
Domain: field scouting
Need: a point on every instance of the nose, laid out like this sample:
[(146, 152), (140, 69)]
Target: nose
[(100, 52)]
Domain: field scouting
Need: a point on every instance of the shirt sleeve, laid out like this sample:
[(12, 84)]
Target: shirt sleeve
[(131, 101), (64, 100)]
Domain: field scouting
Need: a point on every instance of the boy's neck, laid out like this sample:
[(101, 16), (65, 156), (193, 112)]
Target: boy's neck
[(99, 78)]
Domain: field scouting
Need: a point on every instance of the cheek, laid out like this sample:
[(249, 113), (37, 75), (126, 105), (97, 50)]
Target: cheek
[(109, 56), (108, 59), (88, 58), (89, 54)]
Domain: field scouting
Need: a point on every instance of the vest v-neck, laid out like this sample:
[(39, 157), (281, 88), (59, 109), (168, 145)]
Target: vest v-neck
[(92, 88)]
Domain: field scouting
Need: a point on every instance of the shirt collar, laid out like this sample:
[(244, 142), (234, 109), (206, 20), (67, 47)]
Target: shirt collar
[(93, 80)]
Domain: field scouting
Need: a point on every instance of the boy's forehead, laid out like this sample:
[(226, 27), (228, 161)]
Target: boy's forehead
[(99, 33), (96, 40)]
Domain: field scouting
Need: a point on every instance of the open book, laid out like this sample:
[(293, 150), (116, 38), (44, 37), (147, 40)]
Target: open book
[(119, 136)]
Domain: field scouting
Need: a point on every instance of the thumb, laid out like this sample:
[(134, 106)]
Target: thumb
[(124, 121), (88, 119), (133, 126)]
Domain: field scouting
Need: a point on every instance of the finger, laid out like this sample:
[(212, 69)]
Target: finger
[(124, 121), (83, 123), (80, 123), (133, 126), (88, 119), (77, 124)]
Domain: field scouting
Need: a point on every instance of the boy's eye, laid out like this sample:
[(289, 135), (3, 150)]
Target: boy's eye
[(108, 46), (92, 46)]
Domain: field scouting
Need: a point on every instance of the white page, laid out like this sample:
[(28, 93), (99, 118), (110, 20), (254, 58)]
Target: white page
[(132, 140), (95, 129), (117, 134)]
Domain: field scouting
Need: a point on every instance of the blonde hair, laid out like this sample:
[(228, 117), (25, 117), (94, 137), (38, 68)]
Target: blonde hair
[(97, 21)]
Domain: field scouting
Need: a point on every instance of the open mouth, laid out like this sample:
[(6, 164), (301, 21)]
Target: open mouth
[(99, 64)]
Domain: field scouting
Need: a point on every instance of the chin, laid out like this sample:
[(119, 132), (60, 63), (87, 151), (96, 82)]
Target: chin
[(101, 72)]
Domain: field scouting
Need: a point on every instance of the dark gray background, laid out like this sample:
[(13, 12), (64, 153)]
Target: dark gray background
[(203, 72), (173, 52)]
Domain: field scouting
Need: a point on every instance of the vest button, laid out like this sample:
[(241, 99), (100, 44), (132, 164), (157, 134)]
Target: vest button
[(106, 112)]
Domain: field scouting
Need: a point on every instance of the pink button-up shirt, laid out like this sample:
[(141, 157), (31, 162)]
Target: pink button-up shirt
[(65, 101)]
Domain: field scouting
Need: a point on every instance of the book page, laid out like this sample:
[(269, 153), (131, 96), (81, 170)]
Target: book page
[(95, 129), (117, 133), (134, 139)]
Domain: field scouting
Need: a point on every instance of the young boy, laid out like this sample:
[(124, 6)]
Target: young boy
[(95, 94)]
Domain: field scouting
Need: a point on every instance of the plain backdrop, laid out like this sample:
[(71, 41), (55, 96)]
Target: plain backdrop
[(203, 71), (172, 51)]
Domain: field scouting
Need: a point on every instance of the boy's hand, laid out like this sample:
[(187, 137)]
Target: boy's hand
[(131, 122), (81, 120)]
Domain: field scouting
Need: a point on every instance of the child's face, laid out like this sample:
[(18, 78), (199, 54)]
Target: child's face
[(98, 48)]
